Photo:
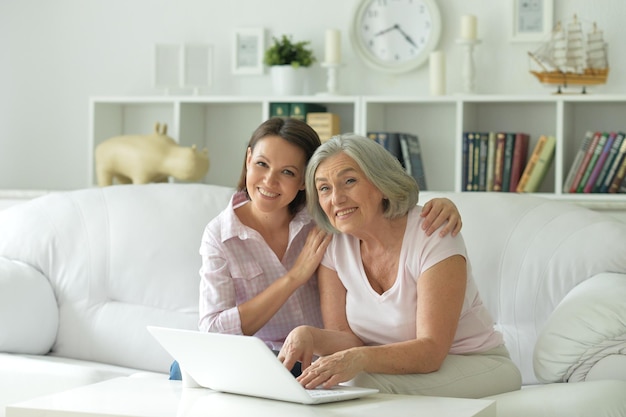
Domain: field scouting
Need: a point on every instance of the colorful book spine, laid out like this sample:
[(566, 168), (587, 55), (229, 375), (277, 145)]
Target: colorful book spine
[(619, 177), (326, 125), (600, 162), (464, 161), (393, 143), (621, 154), (390, 141), (380, 138), (470, 161), (532, 161), (416, 161), (543, 161), (520, 153), (300, 110), (584, 162), (597, 150), (476, 164), (509, 147), (577, 161), (491, 158), (280, 109), (482, 161), (499, 161)]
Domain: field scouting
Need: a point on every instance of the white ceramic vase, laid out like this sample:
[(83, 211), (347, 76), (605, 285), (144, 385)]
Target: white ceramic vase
[(287, 80)]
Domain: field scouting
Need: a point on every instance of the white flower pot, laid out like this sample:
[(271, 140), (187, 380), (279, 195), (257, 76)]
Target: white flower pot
[(287, 80)]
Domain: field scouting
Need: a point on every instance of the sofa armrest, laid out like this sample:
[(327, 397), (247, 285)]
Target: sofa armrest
[(29, 315), (587, 327)]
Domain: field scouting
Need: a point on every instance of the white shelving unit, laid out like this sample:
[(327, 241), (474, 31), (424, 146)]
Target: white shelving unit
[(224, 124)]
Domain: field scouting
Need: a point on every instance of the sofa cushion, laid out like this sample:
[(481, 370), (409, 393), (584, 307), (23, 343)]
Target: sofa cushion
[(29, 317), (585, 328), (118, 258), (582, 399), (527, 253)]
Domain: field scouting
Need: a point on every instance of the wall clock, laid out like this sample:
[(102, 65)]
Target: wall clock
[(395, 36)]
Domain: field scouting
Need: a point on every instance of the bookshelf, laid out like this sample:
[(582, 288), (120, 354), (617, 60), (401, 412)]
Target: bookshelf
[(224, 124)]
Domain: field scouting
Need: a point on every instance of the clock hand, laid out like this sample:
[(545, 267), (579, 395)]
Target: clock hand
[(407, 37), (399, 29), (382, 32)]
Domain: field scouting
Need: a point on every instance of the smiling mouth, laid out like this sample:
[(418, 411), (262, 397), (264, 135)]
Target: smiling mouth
[(345, 212), (267, 193)]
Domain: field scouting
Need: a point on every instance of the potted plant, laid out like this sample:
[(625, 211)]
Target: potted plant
[(287, 60)]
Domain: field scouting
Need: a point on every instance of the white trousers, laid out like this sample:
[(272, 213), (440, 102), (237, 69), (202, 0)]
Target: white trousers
[(464, 376)]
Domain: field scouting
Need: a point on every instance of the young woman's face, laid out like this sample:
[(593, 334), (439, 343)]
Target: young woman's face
[(274, 173), (349, 200)]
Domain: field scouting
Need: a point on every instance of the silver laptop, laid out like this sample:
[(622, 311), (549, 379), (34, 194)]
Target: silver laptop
[(243, 365)]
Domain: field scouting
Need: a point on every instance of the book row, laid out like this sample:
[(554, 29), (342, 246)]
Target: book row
[(406, 148), (599, 165), (500, 161), (325, 124)]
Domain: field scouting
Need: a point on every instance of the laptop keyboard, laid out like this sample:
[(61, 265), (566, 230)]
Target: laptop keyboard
[(318, 392)]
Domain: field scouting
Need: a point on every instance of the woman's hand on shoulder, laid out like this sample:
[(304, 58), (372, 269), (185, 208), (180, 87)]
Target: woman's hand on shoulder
[(311, 255), (438, 211)]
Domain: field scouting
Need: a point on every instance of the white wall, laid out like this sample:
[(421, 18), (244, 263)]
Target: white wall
[(58, 53)]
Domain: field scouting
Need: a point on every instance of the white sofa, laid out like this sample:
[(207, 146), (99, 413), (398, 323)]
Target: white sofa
[(82, 273)]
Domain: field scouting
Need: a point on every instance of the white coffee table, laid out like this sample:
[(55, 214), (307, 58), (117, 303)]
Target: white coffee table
[(156, 397)]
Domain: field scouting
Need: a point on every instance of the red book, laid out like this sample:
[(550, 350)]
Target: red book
[(520, 153)]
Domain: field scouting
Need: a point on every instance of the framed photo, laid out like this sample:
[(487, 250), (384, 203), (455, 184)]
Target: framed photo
[(197, 66), (248, 50), (167, 63), (532, 20)]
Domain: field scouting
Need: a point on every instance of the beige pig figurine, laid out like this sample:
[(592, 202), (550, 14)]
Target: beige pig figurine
[(140, 159)]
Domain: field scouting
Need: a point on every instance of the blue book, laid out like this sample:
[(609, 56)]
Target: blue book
[(413, 154)]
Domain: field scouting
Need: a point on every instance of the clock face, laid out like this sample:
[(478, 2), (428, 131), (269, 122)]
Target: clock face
[(396, 35)]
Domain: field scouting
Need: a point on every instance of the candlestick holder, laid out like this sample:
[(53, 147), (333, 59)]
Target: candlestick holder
[(331, 73), (468, 69)]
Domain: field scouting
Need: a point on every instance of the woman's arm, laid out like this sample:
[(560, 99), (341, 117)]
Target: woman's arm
[(304, 342), (218, 309), (257, 311), (441, 292), (439, 211)]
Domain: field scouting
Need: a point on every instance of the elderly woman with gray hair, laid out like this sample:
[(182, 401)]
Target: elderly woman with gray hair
[(401, 310)]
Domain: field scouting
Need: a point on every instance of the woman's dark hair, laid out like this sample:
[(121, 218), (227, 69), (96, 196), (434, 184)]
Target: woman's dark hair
[(294, 131)]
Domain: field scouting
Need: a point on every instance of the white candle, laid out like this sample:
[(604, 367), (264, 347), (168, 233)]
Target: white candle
[(437, 64), (468, 27), (333, 46)]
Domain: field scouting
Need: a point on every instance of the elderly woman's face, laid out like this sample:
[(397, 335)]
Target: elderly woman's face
[(351, 202)]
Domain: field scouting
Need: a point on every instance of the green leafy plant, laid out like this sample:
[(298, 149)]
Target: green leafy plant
[(286, 52)]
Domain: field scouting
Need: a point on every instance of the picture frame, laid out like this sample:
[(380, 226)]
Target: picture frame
[(167, 66), (248, 50), (197, 66), (532, 20)]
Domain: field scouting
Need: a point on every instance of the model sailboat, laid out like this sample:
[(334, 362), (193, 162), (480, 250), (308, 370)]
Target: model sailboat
[(566, 59)]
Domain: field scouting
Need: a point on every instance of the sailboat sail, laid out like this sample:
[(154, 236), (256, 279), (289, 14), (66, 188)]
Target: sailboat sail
[(596, 50)]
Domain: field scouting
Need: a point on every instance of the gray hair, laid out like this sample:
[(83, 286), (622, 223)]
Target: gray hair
[(379, 166)]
